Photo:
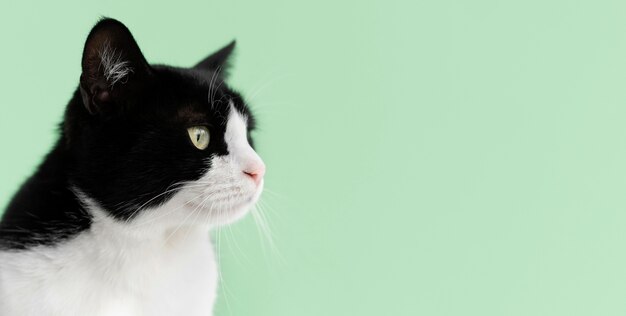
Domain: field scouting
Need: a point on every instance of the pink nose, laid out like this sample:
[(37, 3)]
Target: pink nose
[(256, 172)]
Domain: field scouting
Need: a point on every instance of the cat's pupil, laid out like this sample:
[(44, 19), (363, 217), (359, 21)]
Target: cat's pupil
[(198, 137)]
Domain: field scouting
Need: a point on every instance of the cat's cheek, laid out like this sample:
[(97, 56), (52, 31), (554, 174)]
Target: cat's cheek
[(238, 209), (240, 212)]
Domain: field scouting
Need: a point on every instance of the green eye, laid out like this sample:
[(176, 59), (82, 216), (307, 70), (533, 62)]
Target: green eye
[(199, 136)]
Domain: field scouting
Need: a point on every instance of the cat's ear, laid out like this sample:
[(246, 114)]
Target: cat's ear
[(218, 61), (112, 67)]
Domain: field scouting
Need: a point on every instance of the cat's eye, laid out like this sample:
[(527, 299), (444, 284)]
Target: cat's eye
[(199, 136)]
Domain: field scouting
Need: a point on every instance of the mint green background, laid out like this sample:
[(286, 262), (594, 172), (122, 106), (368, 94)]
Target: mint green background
[(424, 157)]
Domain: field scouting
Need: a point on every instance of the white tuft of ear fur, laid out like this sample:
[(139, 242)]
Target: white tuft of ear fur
[(115, 68)]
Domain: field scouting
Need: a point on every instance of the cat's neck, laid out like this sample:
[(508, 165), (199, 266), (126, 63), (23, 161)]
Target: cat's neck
[(56, 211), (44, 210), (154, 227)]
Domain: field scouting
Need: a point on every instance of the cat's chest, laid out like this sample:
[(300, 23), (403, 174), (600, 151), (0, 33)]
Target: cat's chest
[(116, 276)]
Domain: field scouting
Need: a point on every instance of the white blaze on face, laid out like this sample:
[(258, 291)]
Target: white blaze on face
[(239, 148)]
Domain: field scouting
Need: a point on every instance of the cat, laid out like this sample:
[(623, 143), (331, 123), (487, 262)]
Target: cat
[(116, 219)]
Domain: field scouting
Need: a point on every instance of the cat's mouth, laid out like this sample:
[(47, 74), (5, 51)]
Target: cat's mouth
[(222, 206)]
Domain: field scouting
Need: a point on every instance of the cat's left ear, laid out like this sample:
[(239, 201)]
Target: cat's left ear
[(114, 68), (218, 61)]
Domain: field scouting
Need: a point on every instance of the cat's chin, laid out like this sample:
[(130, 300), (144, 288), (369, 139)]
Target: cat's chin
[(218, 214)]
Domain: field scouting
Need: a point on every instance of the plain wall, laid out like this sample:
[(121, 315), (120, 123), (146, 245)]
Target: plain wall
[(424, 157)]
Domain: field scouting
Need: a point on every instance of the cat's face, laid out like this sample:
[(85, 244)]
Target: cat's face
[(144, 137)]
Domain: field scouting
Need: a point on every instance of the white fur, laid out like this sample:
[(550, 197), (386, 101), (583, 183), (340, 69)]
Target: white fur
[(115, 69), (159, 263)]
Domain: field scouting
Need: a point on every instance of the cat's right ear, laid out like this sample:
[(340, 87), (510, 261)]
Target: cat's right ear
[(219, 61), (113, 67)]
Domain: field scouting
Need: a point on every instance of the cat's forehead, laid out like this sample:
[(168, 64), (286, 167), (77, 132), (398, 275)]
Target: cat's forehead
[(198, 98), (186, 97), (201, 112)]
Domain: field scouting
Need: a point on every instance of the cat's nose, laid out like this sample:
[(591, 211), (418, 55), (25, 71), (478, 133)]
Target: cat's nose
[(256, 171)]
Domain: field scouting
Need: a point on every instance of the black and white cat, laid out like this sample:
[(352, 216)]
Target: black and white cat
[(115, 221)]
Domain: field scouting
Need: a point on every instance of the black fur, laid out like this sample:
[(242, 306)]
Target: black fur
[(122, 143)]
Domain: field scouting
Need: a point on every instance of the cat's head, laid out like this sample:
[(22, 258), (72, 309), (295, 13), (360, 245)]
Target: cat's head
[(144, 138)]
